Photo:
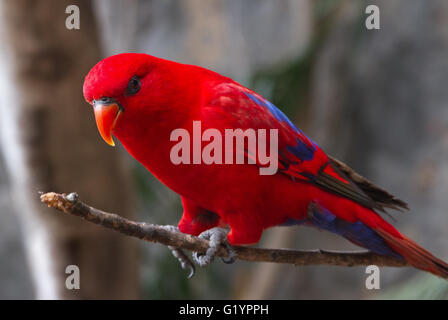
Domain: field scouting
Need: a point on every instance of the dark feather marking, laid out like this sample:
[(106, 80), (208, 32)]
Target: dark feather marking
[(332, 184), (381, 197), (349, 190), (206, 217)]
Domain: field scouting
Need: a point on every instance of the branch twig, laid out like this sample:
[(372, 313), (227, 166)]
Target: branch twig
[(154, 233)]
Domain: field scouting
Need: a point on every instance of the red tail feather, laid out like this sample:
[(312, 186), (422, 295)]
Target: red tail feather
[(416, 255)]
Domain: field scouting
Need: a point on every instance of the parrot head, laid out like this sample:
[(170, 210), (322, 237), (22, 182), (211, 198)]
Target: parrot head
[(131, 88)]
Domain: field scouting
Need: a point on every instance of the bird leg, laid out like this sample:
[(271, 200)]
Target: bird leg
[(183, 259), (217, 237)]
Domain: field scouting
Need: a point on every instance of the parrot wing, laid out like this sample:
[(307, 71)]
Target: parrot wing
[(379, 195), (236, 107)]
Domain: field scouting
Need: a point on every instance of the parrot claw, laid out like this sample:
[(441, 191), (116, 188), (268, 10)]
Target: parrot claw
[(180, 255), (217, 237)]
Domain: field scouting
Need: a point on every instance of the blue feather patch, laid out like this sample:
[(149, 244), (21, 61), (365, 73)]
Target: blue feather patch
[(356, 232), (302, 150), (293, 222)]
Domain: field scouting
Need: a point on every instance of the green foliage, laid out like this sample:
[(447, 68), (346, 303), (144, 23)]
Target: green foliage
[(288, 86)]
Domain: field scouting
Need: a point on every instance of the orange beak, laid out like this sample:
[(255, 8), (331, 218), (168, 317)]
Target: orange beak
[(106, 116)]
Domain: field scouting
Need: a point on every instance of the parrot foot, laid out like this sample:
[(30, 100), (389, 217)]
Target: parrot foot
[(217, 237), (183, 259)]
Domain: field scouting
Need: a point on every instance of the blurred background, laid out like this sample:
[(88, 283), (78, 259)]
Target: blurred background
[(375, 99)]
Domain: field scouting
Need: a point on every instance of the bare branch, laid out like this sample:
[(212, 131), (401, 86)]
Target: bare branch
[(154, 233)]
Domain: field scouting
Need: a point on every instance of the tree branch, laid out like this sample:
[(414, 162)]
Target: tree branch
[(149, 232)]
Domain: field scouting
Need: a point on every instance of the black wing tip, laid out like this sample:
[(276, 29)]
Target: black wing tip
[(381, 197)]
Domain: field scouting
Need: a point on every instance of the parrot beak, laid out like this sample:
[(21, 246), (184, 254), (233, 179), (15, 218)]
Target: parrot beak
[(107, 113)]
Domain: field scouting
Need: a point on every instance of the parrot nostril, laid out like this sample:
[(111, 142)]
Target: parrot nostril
[(103, 100)]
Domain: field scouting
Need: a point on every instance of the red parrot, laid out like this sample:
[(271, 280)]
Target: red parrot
[(142, 99)]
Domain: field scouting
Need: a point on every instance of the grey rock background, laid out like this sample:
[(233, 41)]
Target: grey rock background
[(380, 103)]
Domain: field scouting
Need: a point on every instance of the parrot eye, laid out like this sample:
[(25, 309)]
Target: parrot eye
[(133, 85)]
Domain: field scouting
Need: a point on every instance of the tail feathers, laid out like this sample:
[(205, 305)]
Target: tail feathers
[(415, 255), (377, 235)]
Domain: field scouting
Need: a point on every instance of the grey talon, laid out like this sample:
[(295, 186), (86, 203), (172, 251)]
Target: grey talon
[(216, 236), (184, 261), (232, 254), (180, 255)]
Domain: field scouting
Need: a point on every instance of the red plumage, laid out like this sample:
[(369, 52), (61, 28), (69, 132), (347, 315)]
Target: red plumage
[(310, 187)]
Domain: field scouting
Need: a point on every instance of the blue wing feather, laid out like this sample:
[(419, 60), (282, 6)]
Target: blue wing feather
[(305, 147), (357, 232)]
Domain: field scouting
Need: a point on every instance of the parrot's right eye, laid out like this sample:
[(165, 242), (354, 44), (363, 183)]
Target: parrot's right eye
[(133, 85)]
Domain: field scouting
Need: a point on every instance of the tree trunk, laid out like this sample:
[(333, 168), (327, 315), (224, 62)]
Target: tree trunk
[(50, 143)]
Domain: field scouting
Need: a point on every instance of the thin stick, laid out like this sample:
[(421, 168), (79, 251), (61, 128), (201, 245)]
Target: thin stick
[(153, 233)]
